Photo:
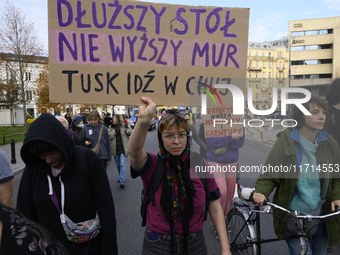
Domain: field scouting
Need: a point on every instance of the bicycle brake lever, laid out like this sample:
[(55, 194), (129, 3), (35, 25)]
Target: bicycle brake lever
[(267, 209)]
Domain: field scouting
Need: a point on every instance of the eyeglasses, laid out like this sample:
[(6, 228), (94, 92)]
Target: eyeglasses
[(171, 137)]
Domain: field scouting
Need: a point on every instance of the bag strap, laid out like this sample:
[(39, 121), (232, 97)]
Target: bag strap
[(100, 134), (325, 182)]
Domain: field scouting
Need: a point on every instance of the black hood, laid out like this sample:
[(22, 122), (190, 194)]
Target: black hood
[(47, 129)]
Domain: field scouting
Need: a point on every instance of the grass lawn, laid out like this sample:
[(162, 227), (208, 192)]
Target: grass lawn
[(18, 134)]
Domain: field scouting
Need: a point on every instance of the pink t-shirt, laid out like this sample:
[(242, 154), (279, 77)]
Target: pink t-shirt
[(156, 220)]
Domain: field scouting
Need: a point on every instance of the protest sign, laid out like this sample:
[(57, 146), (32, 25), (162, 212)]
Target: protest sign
[(114, 52)]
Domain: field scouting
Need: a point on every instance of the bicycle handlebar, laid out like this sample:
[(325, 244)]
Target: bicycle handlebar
[(299, 216)]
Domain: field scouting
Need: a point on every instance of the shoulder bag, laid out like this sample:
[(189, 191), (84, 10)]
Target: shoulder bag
[(96, 148), (75, 232)]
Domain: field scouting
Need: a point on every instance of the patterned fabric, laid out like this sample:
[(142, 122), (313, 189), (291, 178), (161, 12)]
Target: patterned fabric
[(176, 182), (23, 236)]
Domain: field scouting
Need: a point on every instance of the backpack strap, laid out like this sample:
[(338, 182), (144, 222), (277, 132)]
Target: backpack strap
[(154, 184), (203, 177)]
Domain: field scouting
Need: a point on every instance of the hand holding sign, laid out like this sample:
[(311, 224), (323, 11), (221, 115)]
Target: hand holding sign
[(236, 136), (146, 112)]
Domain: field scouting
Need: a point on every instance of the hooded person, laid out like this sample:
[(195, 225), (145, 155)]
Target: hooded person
[(52, 170)]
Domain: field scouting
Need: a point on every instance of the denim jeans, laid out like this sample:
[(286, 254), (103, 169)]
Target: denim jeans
[(121, 166), (196, 245), (317, 244)]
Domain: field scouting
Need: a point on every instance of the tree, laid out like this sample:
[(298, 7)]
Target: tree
[(9, 95), (19, 41), (43, 99)]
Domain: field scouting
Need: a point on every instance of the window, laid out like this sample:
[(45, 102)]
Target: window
[(264, 75), (263, 54), (276, 75), (326, 46), (270, 64), (299, 33), (283, 75), (250, 85), (250, 63), (28, 95), (296, 48), (280, 64), (263, 85), (312, 32), (256, 54), (326, 31), (257, 85), (325, 61), (257, 64), (269, 54), (27, 76), (270, 75), (297, 63), (250, 75), (257, 95), (249, 53), (263, 95), (269, 84), (257, 75), (311, 62), (311, 47), (284, 64), (264, 64)]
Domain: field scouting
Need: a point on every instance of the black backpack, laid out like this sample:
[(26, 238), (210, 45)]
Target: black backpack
[(156, 179)]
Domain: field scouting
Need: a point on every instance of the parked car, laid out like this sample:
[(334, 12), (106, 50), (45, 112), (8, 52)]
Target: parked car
[(277, 115)]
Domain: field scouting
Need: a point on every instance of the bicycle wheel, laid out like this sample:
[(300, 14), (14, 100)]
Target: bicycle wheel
[(240, 241)]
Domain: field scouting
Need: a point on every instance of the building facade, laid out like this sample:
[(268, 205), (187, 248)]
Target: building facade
[(267, 68), (314, 48)]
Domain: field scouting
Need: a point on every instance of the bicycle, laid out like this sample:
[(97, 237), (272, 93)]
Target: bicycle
[(243, 224)]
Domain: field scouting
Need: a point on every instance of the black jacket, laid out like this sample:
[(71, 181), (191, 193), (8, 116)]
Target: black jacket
[(84, 193)]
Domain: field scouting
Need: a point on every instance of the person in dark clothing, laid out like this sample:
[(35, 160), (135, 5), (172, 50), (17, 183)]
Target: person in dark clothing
[(108, 120), (51, 167), (64, 122), (332, 125), (68, 118), (86, 115), (20, 235), (77, 124), (193, 134)]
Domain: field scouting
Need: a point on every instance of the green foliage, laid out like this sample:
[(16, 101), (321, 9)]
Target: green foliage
[(18, 134)]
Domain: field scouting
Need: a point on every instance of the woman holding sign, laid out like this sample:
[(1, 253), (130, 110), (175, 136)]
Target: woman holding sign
[(174, 212)]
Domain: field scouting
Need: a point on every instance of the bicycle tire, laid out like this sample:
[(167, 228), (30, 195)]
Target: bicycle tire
[(234, 222)]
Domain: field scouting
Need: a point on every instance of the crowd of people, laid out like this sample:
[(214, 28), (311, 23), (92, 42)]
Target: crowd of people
[(65, 204)]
